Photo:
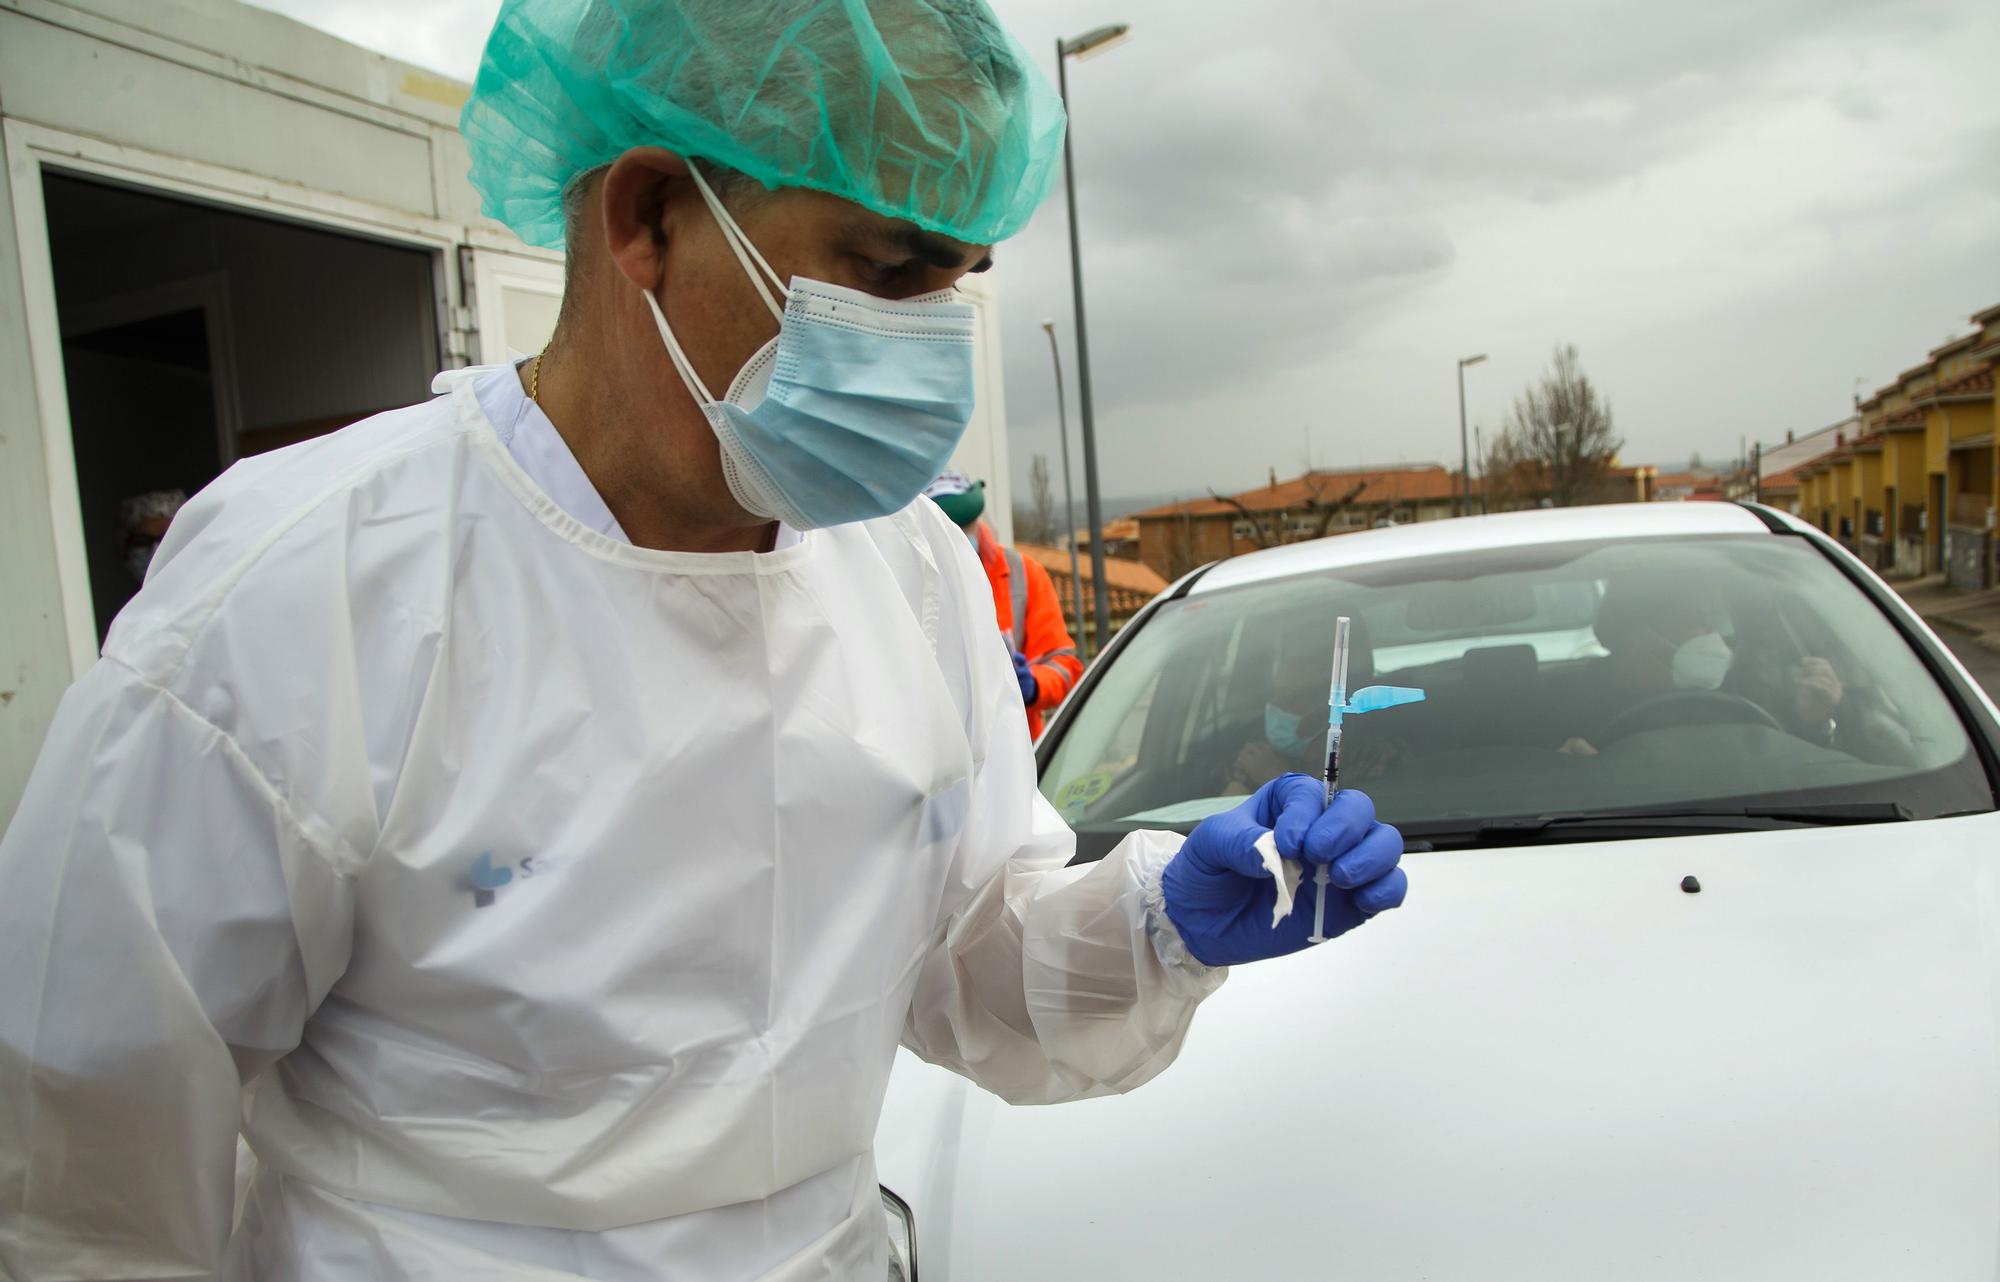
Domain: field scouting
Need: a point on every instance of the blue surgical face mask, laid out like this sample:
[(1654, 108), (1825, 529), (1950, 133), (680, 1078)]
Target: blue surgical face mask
[(851, 410), (1281, 728), (1701, 663)]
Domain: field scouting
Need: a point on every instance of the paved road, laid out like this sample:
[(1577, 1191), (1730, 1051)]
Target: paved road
[(1982, 662)]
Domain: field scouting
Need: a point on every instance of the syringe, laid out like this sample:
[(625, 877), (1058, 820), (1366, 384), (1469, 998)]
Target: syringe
[(1336, 706)]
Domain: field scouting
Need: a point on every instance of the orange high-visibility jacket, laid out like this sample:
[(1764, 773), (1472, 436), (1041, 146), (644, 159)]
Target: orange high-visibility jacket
[(1031, 618)]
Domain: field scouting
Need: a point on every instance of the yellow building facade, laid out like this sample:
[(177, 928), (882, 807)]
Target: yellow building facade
[(1914, 490), (1904, 469)]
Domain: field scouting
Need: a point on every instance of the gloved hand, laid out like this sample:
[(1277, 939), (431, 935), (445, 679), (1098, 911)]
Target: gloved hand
[(1031, 689), (1220, 897)]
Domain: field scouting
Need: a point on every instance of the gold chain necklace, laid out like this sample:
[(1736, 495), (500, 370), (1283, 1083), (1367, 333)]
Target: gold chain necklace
[(535, 380)]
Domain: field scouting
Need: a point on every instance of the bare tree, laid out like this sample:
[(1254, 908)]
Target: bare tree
[(1317, 505), (1327, 509), (1036, 523), (1264, 536), (1513, 478), (1558, 444)]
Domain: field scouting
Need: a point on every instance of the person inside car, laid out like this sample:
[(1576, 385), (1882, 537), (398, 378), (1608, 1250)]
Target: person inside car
[(1293, 731), (1667, 634)]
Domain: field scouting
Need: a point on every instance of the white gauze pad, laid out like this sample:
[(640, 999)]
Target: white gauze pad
[(1283, 871)]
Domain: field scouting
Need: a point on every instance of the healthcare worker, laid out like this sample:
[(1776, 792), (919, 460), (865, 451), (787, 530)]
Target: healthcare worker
[(1024, 603), (533, 818)]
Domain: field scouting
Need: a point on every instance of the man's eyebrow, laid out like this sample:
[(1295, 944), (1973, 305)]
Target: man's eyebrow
[(936, 250)]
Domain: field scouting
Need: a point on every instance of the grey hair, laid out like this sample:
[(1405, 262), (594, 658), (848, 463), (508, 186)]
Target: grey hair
[(573, 198)]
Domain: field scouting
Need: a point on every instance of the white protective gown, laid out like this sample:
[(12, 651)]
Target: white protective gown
[(539, 906)]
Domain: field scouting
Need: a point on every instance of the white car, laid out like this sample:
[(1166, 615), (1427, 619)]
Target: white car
[(1699, 975)]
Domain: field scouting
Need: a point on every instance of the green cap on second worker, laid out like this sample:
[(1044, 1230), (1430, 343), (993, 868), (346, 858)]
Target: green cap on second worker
[(924, 110), (962, 498)]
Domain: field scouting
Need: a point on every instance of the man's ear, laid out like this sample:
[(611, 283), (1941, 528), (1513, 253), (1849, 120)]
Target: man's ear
[(637, 191)]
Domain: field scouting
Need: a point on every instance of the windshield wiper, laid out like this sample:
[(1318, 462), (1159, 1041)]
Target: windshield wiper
[(1632, 824)]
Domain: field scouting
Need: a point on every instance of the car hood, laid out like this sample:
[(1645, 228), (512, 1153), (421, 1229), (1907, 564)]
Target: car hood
[(1553, 1063)]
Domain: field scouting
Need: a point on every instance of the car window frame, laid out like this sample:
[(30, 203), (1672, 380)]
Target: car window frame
[(1978, 722), (1057, 728), (1980, 726)]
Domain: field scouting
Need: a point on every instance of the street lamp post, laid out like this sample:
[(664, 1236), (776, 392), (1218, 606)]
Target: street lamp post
[(1479, 448), (1093, 41), (1069, 500), (1464, 453)]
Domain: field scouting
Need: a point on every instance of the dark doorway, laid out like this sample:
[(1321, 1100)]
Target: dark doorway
[(1940, 520), (195, 335), (144, 424)]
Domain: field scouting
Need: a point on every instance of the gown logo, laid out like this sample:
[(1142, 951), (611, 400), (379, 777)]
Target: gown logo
[(487, 877)]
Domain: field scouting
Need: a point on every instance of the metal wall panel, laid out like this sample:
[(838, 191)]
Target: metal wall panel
[(66, 80), (34, 642)]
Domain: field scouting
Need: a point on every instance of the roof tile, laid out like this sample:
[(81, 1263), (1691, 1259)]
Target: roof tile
[(1970, 383), (1378, 485), (1131, 576)]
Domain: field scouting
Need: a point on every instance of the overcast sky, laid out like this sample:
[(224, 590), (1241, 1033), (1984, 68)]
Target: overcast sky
[(1297, 215)]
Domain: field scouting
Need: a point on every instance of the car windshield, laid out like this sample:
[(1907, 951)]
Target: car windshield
[(1611, 677)]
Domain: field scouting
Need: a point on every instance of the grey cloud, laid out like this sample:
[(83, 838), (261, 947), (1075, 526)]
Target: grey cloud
[(1322, 177), (1367, 97), (1856, 103), (1266, 185), (1293, 171)]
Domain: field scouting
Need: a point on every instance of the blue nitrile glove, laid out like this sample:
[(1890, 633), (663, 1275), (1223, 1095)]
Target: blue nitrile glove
[(1220, 898), (1031, 689)]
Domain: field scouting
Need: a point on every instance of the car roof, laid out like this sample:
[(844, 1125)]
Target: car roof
[(1481, 533)]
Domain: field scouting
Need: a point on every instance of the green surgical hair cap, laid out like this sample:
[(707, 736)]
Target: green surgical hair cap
[(925, 110)]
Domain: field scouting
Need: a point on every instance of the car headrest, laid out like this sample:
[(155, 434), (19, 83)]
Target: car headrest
[(1500, 665)]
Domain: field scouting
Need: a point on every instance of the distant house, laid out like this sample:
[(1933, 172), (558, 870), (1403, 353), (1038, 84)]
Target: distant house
[(1529, 484), (1910, 481), (1128, 586), (1706, 485), (1800, 449), (1785, 469), (1781, 489), (1176, 537), (1121, 538)]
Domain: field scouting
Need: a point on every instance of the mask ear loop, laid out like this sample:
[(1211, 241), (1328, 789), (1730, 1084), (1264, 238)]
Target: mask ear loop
[(746, 253), (695, 386)]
